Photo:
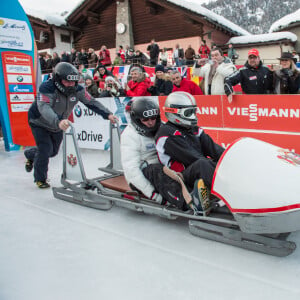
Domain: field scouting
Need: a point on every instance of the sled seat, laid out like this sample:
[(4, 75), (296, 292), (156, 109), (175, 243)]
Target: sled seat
[(117, 183)]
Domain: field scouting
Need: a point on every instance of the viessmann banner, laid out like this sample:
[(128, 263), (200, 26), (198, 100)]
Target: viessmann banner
[(271, 118)]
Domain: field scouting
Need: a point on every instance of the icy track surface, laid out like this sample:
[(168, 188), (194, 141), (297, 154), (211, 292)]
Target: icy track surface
[(54, 250)]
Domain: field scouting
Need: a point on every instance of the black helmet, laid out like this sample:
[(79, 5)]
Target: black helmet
[(143, 108), (65, 71)]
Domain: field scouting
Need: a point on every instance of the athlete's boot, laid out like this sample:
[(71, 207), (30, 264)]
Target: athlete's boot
[(42, 184), (200, 195), (29, 165)]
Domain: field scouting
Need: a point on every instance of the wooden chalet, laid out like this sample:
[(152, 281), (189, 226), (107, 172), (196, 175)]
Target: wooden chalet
[(43, 33), (160, 19)]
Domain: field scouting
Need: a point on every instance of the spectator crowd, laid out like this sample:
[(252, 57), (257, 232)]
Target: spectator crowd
[(218, 71)]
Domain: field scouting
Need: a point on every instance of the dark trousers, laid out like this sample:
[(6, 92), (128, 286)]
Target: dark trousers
[(48, 144), (153, 61), (168, 188), (202, 168)]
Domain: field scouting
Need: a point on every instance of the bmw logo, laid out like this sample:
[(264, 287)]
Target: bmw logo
[(20, 78), (78, 111)]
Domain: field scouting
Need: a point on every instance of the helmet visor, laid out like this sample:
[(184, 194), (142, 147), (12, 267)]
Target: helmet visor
[(185, 113)]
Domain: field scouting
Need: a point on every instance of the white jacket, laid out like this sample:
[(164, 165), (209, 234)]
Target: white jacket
[(225, 69), (135, 149)]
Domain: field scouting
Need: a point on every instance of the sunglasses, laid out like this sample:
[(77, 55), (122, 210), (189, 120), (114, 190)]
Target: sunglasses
[(150, 118)]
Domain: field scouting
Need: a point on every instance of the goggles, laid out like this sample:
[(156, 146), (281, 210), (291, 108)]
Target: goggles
[(186, 112)]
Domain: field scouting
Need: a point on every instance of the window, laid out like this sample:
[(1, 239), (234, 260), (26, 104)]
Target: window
[(65, 38)]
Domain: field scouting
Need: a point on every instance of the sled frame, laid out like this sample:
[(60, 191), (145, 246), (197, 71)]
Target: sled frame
[(218, 226)]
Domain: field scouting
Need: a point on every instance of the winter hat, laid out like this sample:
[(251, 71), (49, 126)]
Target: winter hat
[(160, 68), (286, 55), (112, 79), (253, 52), (88, 77)]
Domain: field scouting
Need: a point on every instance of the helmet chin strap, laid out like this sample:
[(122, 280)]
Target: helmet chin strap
[(66, 90), (59, 87)]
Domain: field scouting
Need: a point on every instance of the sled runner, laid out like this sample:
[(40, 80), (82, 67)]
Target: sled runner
[(250, 227)]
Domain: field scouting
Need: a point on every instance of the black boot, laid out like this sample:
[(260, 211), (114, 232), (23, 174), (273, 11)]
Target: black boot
[(29, 165)]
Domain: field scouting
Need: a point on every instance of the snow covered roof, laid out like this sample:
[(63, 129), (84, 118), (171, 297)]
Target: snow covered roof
[(53, 18), (192, 5), (210, 16), (263, 38), (286, 21)]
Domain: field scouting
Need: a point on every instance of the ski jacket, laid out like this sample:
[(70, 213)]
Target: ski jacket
[(139, 88), (204, 51), (51, 106), (104, 57), (223, 70), (136, 149), (188, 86), (178, 147), (253, 80)]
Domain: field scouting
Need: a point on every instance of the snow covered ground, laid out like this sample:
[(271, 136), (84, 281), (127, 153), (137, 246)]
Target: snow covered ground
[(51, 249)]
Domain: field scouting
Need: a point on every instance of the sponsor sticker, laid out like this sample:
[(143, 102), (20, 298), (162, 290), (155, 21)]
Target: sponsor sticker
[(20, 107), (21, 97), (18, 69), (19, 78), (20, 88), (252, 78)]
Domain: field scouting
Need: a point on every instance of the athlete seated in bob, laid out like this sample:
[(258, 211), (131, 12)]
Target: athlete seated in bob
[(141, 166), (185, 149)]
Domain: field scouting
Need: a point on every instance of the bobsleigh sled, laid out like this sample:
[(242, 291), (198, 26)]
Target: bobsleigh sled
[(258, 182)]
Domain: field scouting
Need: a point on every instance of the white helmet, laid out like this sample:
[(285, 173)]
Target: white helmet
[(180, 108)]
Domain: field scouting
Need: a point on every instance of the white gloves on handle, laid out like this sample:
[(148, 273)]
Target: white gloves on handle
[(157, 197)]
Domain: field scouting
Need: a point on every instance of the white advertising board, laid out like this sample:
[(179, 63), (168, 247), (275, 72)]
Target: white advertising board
[(15, 34), (92, 130)]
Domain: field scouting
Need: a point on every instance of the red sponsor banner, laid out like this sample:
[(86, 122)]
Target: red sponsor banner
[(20, 93), (271, 118), (267, 112)]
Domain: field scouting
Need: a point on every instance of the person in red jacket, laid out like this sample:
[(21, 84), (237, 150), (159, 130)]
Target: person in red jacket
[(139, 84), (184, 85), (204, 50), (104, 56)]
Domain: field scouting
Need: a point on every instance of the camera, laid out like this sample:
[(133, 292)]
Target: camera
[(110, 85)]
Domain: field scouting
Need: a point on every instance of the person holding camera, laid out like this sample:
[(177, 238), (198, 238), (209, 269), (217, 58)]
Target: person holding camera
[(112, 88), (287, 79)]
